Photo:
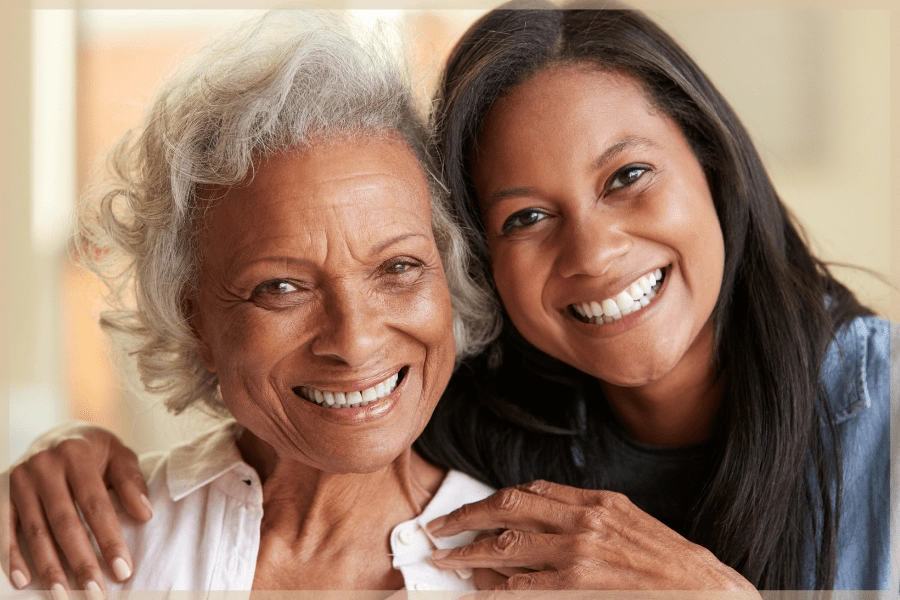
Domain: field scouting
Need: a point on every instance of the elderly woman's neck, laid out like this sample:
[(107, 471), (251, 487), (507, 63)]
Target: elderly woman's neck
[(408, 483), (332, 530)]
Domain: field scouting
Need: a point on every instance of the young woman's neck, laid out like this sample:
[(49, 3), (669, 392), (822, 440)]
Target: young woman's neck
[(679, 409)]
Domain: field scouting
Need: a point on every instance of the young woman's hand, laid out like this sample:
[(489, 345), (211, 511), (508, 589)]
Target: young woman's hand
[(71, 465), (577, 539)]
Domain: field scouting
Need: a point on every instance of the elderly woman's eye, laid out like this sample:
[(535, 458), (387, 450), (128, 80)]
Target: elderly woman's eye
[(523, 218), (276, 287), (627, 176), (401, 266)]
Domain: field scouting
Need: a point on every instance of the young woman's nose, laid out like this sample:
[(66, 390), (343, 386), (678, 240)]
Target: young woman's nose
[(590, 246), (352, 331)]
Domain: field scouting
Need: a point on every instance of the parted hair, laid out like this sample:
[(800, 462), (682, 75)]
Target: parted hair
[(286, 80)]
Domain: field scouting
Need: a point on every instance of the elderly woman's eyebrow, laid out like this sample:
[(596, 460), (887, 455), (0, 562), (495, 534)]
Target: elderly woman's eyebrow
[(239, 265), (382, 246)]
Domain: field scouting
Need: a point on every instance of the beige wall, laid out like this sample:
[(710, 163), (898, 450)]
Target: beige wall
[(812, 87)]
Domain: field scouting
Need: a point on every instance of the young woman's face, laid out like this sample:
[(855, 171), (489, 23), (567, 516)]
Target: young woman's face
[(605, 245)]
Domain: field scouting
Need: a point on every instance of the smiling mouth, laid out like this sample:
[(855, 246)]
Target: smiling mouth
[(352, 399), (636, 296)]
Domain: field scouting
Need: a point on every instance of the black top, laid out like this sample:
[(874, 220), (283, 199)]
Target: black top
[(664, 482), (534, 417)]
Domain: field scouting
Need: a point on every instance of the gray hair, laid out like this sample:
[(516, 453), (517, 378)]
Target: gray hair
[(286, 80)]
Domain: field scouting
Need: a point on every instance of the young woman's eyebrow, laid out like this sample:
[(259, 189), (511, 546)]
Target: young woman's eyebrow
[(609, 154), (627, 143)]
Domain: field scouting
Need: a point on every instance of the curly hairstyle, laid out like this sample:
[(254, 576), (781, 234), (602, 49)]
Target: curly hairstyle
[(286, 80)]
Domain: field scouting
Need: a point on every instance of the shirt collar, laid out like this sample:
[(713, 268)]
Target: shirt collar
[(846, 366), (194, 464), (456, 490)]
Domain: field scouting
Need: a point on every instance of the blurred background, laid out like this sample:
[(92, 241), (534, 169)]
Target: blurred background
[(812, 86)]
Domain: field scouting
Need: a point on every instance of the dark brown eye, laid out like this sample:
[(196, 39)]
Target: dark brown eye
[(276, 287), (523, 218), (627, 176)]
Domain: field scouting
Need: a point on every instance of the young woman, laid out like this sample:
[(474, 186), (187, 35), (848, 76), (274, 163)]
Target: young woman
[(699, 388)]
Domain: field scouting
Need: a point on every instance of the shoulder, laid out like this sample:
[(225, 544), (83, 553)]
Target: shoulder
[(204, 497), (856, 378), (856, 372)]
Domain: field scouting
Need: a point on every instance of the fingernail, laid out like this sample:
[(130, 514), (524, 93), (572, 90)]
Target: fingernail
[(437, 524), (93, 591), (146, 502), (439, 554), (58, 592), (19, 579), (121, 569)]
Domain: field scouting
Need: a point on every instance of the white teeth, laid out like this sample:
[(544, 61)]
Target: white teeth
[(635, 291), (624, 300), (352, 399), (610, 307), (635, 297)]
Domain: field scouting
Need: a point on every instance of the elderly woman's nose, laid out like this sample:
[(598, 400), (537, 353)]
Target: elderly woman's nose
[(352, 330), (589, 246)]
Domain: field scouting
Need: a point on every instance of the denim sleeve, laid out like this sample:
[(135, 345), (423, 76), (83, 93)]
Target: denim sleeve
[(863, 409)]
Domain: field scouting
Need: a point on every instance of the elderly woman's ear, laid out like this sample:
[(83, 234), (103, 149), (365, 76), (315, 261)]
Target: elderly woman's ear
[(192, 313)]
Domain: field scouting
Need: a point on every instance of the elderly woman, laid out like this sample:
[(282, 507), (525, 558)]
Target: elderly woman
[(279, 229)]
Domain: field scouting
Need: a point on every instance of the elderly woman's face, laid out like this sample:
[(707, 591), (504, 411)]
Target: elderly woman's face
[(323, 306)]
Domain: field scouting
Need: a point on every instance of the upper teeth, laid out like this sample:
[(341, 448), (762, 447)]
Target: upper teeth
[(351, 399), (631, 299)]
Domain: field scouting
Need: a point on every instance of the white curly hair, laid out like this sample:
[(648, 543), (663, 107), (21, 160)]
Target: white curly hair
[(285, 80)]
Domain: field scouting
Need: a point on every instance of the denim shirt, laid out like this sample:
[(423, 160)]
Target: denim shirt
[(857, 375)]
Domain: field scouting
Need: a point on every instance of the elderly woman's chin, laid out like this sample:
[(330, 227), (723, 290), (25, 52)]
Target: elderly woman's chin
[(332, 439), (322, 305)]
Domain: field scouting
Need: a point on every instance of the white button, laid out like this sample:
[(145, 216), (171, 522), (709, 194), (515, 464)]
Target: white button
[(420, 587), (406, 536)]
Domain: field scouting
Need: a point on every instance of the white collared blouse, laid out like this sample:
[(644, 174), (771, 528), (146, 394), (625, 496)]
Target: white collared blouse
[(208, 507)]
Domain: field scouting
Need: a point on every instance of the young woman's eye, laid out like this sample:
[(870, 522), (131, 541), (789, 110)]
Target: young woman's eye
[(523, 218), (276, 287), (627, 176)]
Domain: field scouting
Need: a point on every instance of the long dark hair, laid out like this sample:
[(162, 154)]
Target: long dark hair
[(773, 498)]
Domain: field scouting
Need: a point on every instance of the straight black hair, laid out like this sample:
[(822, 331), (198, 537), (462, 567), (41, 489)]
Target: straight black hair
[(773, 499)]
